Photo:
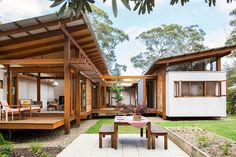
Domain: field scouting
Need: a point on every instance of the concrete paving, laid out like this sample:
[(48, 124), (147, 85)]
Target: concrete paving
[(130, 145)]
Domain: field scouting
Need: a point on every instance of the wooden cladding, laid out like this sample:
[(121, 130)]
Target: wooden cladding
[(200, 88)]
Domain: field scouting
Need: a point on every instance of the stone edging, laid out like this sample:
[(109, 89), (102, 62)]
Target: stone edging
[(187, 147)]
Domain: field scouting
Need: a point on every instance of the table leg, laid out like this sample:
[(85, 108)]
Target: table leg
[(6, 116), (141, 132), (115, 136), (149, 138)]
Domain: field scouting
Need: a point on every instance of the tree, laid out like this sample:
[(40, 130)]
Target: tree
[(168, 40), (142, 6), (108, 38), (232, 37)]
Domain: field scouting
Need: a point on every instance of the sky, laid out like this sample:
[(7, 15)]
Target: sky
[(213, 20)]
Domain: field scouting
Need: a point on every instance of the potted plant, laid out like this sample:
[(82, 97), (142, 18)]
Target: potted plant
[(138, 111)]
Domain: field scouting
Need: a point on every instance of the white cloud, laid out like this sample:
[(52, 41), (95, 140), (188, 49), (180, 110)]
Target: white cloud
[(11, 10), (222, 5), (217, 37)]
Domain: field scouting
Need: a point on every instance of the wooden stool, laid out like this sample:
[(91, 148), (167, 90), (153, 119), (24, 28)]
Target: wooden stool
[(158, 131), (107, 129)]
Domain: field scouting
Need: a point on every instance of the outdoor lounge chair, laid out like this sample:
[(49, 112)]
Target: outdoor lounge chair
[(13, 109), (27, 105), (107, 129)]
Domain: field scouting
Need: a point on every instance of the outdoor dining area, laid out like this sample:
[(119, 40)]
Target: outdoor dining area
[(137, 121)]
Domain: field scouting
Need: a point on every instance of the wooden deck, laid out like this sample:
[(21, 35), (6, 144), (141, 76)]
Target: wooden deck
[(110, 110), (40, 123)]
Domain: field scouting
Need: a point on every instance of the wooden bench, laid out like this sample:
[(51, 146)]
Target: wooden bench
[(158, 131), (107, 129)]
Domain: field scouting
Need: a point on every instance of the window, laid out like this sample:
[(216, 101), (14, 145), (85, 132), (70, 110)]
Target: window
[(200, 88), (197, 88)]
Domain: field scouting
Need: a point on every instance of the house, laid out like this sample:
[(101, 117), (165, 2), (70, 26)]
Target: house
[(188, 85), (48, 58)]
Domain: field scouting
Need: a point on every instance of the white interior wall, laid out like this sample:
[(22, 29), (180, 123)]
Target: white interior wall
[(28, 90), (2, 91), (194, 106)]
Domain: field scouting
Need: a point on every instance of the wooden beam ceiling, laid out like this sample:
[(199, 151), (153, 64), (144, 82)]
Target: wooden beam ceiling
[(37, 69), (34, 27)]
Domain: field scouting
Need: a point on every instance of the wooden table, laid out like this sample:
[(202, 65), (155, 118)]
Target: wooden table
[(118, 123)]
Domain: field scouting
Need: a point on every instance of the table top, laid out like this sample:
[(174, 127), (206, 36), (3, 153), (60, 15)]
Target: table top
[(123, 119)]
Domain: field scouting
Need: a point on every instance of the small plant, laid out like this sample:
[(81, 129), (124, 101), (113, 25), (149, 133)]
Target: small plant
[(225, 148), (36, 147), (203, 141), (2, 140), (46, 154), (6, 150)]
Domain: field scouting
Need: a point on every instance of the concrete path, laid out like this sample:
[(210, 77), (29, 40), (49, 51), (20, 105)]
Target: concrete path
[(130, 145)]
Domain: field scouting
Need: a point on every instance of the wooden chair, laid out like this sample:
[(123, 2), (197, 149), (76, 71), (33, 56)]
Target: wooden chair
[(27, 105), (13, 109), (107, 129), (158, 131)]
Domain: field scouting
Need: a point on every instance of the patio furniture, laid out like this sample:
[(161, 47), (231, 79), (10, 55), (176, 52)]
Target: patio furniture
[(52, 105), (13, 109), (158, 131), (27, 105), (128, 120), (106, 129)]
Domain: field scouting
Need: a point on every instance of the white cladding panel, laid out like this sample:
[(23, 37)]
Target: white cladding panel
[(140, 91), (194, 106)]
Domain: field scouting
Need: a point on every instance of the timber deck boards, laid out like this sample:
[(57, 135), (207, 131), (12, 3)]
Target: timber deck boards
[(41, 123)]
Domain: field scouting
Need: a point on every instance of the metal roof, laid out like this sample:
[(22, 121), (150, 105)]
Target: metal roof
[(40, 36)]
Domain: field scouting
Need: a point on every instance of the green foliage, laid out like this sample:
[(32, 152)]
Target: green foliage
[(168, 40), (74, 7), (231, 101), (2, 140), (108, 38), (118, 92), (203, 141), (45, 154), (231, 40), (36, 147), (225, 148), (5, 147)]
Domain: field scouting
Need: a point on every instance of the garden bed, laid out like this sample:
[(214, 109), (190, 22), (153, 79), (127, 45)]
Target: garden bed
[(203, 142), (27, 152)]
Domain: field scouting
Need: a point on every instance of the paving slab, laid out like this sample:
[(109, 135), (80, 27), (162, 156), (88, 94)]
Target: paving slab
[(129, 145)]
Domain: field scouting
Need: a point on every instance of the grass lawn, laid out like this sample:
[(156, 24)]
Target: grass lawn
[(225, 127)]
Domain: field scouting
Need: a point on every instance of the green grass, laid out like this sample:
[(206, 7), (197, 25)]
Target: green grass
[(225, 127)]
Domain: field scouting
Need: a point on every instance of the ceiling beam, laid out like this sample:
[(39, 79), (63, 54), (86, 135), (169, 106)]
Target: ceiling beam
[(62, 27), (42, 37), (34, 27), (121, 82), (37, 69), (33, 62), (124, 77)]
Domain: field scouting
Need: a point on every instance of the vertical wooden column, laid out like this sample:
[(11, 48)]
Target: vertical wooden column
[(164, 92), (100, 95), (38, 88), (105, 94), (78, 98), (130, 95), (9, 86), (218, 64), (157, 93), (67, 80), (144, 92), (17, 89)]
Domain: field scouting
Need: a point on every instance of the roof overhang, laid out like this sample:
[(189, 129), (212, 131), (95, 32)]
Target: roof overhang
[(189, 57)]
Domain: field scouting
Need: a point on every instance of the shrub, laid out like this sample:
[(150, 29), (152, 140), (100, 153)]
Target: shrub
[(45, 154), (225, 148), (2, 141), (36, 147), (231, 101), (203, 141), (6, 150)]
